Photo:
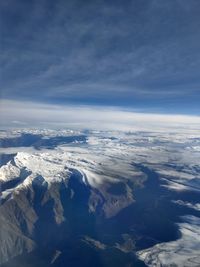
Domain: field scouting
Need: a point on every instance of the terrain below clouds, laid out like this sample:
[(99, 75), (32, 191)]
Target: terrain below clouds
[(115, 198)]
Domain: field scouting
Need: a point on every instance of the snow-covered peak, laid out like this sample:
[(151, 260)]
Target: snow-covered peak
[(37, 164), (48, 166), (9, 172)]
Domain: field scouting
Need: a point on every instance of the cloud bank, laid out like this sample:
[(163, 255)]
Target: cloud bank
[(30, 114)]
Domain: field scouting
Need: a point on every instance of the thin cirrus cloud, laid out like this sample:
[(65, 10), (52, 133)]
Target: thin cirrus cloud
[(141, 54)]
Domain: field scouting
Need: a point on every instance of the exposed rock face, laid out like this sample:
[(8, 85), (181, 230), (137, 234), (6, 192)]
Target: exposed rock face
[(43, 198), (17, 219)]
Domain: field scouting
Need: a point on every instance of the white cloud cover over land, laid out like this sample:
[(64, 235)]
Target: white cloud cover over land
[(183, 252)]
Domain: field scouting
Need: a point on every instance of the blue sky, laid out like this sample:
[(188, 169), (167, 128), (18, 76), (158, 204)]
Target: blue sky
[(140, 54)]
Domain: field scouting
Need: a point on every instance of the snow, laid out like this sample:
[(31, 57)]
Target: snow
[(108, 157), (9, 172), (182, 252)]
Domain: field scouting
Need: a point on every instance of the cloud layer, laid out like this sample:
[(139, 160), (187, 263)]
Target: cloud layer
[(30, 114), (135, 53)]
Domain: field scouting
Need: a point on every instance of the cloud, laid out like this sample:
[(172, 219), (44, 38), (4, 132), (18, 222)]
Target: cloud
[(93, 117), (182, 252), (195, 206), (133, 53)]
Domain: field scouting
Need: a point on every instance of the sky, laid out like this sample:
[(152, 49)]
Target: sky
[(140, 55), (21, 114)]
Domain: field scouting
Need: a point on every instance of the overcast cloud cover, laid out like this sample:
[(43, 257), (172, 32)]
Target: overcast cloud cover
[(139, 54)]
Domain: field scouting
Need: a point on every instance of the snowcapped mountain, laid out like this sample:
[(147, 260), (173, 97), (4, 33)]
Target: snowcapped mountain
[(119, 199), (30, 182)]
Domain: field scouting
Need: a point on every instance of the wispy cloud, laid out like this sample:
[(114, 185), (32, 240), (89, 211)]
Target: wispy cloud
[(139, 53)]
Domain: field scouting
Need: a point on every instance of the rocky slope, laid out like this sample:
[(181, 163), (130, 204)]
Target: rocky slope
[(44, 196)]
